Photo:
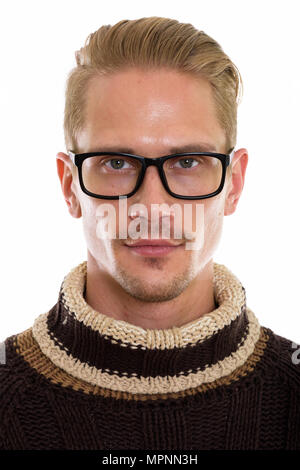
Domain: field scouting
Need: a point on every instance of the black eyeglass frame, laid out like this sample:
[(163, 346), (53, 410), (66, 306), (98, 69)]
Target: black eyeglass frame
[(78, 159)]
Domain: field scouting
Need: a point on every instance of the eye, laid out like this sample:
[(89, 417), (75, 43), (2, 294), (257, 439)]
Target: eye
[(118, 163), (186, 163)]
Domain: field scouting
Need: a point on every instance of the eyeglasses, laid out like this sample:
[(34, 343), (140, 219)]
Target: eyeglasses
[(193, 175)]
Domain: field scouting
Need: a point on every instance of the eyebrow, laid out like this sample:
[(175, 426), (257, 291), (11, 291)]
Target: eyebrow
[(199, 147)]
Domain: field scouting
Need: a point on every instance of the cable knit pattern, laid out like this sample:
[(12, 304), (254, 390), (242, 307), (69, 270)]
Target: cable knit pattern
[(79, 379)]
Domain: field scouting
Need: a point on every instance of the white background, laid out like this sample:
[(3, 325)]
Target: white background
[(41, 242)]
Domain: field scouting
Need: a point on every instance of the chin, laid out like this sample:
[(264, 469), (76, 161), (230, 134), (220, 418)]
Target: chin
[(153, 284), (143, 293)]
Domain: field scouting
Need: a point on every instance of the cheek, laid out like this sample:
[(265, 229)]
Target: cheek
[(213, 221), (205, 215), (89, 211), (98, 220)]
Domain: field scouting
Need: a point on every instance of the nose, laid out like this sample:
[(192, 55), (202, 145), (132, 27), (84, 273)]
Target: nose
[(152, 190), (163, 218)]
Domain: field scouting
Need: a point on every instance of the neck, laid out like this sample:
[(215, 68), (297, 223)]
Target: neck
[(105, 295)]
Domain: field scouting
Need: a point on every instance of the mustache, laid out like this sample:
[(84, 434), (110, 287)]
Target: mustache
[(150, 227)]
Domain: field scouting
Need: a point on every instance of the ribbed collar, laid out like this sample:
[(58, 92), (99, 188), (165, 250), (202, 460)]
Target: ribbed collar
[(120, 356)]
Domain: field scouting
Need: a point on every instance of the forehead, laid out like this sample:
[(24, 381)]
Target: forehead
[(156, 103)]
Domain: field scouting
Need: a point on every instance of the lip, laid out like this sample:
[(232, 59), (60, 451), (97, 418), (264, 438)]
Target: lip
[(156, 242), (157, 248)]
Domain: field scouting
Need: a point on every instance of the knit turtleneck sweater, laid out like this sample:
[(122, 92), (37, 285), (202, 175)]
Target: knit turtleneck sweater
[(79, 379)]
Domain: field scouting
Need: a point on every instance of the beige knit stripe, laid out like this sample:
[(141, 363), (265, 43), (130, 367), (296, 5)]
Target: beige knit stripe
[(133, 384), (228, 292), (27, 346)]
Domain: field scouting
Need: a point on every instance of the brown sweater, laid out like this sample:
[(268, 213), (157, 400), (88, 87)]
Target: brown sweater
[(78, 379)]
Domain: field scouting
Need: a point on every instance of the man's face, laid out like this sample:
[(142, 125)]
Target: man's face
[(150, 112)]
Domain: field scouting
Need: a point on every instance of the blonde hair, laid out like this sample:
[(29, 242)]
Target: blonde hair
[(153, 42)]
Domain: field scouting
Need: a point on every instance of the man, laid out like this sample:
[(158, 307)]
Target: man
[(151, 344)]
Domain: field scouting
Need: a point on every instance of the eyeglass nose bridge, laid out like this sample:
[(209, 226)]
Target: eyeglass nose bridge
[(158, 163), (153, 161)]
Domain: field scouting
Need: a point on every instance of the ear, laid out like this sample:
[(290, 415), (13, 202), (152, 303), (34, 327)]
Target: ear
[(66, 174), (236, 181)]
